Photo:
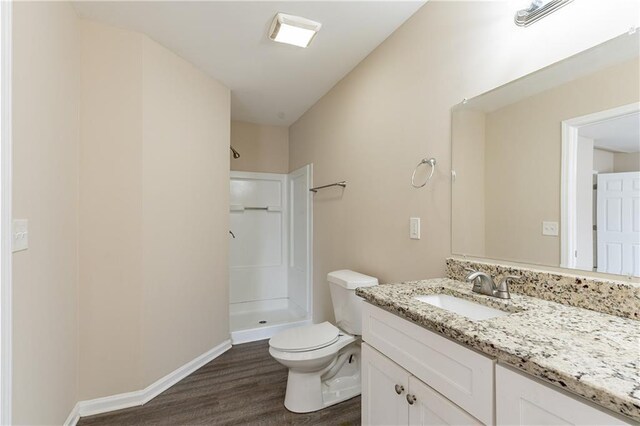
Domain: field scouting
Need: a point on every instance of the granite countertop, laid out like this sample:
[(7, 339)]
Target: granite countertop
[(591, 354)]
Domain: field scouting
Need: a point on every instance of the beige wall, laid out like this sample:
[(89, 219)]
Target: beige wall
[(468, 198), (106, 163), (626, 162), (262, 148), (110, 211), (523, 160), (46, 80), (602, 161), (154, 212), (610, 162), (394, 109), (185, 212)]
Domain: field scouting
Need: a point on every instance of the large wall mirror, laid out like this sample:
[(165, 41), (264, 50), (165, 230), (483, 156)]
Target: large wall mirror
[(546, 169)]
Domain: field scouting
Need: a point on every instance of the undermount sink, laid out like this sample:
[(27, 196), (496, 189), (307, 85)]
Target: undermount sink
[(473, 311)]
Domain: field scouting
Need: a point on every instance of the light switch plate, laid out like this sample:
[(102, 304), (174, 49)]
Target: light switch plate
[(20, 235), (414, 228), (550, 228)]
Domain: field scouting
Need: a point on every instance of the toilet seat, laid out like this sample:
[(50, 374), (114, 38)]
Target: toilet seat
[(305, 338), (314, 355)]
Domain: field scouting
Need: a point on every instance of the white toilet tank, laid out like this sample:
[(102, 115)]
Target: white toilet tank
[(347, 307)]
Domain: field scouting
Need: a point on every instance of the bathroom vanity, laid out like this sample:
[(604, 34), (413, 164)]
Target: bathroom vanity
[(541, 363), (530, 184)]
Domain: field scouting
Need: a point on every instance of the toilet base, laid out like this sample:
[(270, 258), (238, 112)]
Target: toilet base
[(307, 392)]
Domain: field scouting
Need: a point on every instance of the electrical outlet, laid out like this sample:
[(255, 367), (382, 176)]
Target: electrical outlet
[(414, 228), (550, 228)]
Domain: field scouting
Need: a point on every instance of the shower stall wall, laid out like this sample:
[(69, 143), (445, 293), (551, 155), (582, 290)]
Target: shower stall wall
[(270, 253)]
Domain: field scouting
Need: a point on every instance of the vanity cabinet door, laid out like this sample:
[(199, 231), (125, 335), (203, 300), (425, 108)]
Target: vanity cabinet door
[(384, 390), (521, 400), (429, 408)]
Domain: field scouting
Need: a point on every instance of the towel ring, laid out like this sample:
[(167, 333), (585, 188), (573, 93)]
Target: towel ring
[(432, 163)]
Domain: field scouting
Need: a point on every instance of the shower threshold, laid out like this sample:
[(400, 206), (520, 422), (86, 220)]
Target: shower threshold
[(258, 320)]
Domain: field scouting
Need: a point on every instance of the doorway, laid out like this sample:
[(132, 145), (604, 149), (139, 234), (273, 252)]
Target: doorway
[(601, 191)]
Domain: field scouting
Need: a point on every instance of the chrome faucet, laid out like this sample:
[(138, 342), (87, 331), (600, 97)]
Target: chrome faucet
[(484, 284)]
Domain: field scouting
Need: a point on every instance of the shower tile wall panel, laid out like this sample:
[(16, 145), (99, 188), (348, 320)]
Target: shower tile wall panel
[(258, 268)]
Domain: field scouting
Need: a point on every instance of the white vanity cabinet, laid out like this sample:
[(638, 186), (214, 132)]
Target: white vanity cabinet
[(448, 380), (395, 397), (412, 376), (521, 400)]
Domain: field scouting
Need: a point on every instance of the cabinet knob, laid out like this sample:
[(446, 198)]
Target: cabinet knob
[(399, 389), (411, 399)]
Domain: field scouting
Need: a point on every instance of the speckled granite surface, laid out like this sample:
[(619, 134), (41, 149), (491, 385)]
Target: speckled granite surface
[(621, 298), (592, 354)]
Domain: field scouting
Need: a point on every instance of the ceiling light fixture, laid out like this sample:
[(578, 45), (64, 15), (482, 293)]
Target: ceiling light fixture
[(293, 30)]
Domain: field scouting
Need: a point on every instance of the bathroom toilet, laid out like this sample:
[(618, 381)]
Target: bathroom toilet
[(324, 360)]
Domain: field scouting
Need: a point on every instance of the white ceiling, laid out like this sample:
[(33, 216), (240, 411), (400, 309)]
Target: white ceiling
[(620, 134), (270, 83)]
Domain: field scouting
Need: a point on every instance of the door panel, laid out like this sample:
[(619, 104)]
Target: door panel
[(381, 402), (523, 401), (430, 408), (618, 220)]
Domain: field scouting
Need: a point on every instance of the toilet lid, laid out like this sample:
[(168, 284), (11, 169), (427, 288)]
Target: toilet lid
[(305, 338)]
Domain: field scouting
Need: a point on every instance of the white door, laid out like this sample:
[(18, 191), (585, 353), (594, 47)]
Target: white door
[(257, 258), (300, 233), (618, 223), (428, 408), (384, 390)]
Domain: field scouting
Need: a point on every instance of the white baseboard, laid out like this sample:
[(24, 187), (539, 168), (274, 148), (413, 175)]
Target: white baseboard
[(141, 397), (74, 416)]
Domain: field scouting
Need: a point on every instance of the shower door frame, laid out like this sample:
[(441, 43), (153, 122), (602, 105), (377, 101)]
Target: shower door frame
[(308, 170)]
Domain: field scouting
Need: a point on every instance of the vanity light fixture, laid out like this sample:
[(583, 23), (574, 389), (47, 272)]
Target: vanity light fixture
[(538, 10), (293, 30)]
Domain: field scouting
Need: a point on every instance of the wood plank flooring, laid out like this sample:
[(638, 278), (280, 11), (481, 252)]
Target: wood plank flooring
[(244, 386)]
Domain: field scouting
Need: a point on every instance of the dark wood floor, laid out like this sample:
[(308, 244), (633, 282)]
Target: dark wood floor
[(244, 386)]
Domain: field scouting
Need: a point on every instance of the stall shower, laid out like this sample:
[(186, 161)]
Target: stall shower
[(270, 253)]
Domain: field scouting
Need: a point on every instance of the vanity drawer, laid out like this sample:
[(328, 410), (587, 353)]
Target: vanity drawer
[(458, 373)]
